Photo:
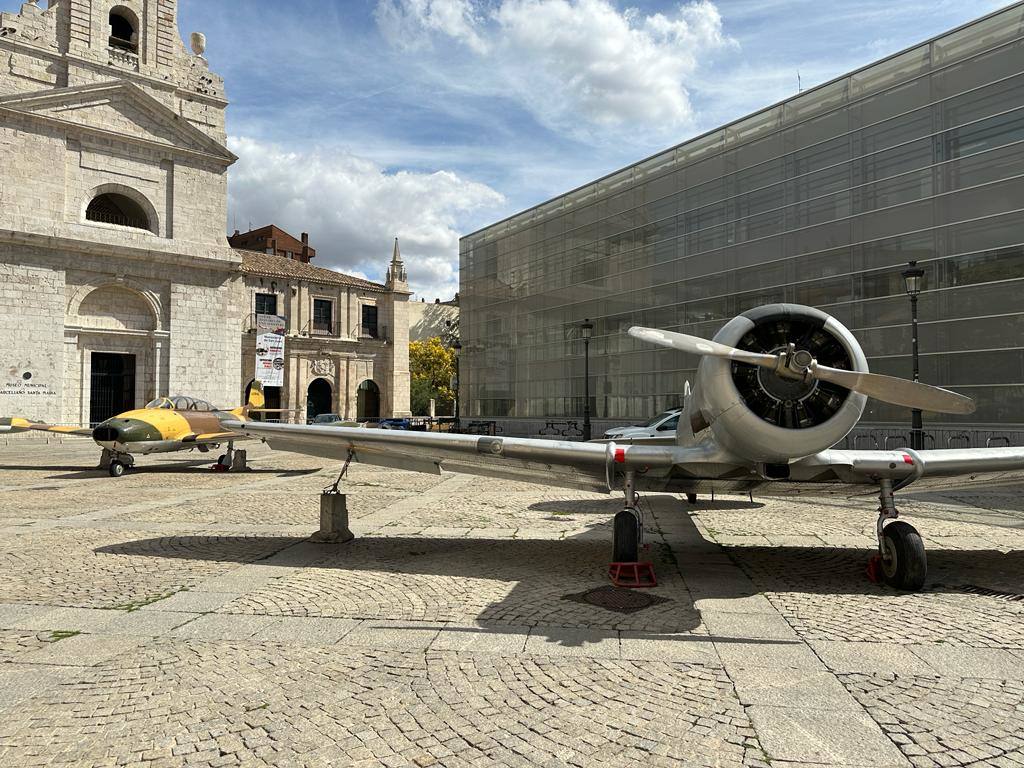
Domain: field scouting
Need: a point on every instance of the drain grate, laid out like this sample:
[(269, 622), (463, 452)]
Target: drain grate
[(617, 599), (974, 590)]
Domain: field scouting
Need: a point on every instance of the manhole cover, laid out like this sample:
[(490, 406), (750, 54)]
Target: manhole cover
[(617, 599)]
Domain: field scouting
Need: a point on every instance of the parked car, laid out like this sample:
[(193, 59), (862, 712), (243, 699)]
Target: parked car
[(326, 418), (662, 425), (395, 424)]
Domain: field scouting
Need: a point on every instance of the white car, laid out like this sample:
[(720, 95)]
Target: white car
[(662, 425)]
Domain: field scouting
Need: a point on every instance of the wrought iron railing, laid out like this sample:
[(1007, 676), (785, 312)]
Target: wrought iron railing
[(893, 438), (109, 217)]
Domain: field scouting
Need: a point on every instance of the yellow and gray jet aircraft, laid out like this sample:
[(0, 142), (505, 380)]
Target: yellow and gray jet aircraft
[(164, 425)]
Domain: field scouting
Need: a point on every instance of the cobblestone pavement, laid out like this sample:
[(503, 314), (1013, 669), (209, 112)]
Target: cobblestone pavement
[(179, 617)]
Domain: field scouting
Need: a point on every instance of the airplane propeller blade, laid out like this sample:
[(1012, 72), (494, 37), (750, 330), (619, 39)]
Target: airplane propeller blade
[(698, 346), (888, 389)]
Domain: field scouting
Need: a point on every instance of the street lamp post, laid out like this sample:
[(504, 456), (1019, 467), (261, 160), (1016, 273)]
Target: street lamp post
[(457, 346), (586, 330), (912, 279)]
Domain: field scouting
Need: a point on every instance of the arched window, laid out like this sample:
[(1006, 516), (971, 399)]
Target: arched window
[(124, 32), (111, 208)]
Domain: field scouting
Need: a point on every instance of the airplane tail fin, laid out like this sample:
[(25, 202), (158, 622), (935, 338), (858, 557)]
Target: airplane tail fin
[(255, 403)]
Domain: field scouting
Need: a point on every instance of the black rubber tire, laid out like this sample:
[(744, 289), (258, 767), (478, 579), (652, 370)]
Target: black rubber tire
[(626, 541), (691, 498), (908, 566), (222, 458), (117, 469)]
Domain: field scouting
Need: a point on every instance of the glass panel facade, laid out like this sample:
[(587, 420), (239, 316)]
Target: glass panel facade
[(821, 200)]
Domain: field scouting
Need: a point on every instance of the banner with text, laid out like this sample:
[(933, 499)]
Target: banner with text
[(270, 331)]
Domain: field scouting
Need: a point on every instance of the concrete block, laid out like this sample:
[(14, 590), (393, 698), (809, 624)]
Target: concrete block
[(333, 519)]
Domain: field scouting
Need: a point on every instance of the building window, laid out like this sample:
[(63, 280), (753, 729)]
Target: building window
[(266, 304), (117, 209), (123, 32), (323, 316), (369, 323)]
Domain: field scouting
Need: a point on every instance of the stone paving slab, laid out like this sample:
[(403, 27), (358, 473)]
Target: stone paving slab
[(836, 738), (510, 641), (882, 658), (306, 631)]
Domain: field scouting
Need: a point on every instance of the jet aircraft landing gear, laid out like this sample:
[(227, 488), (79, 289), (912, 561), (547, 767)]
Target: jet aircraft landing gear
[(233, 461), (900, 549), (628, 526), (116, 463)]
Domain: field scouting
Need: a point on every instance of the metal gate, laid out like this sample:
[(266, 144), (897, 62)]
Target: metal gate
[(112, 386)]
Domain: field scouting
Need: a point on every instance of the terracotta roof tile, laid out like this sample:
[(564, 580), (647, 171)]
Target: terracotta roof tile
[(266, 265)]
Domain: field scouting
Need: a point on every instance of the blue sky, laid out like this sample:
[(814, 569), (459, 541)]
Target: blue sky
[(363, 120)]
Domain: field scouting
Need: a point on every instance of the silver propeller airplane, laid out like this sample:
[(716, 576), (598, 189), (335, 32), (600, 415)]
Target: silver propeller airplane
[(777, 387)]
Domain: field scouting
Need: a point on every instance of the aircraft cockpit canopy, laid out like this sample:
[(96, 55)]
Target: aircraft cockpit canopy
[(180, 403)]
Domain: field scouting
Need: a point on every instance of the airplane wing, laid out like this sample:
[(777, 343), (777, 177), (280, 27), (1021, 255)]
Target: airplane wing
[(211, 437), (565, 464), (16, 424), (926, 470), (699, 468)]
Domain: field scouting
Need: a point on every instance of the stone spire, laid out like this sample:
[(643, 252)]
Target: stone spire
[(397, 279)]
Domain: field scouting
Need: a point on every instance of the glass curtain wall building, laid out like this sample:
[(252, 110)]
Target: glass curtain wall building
[(819, 200)]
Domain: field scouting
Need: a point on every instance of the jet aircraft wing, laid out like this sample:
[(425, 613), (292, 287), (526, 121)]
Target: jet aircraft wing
[(210, 437), (17, 424)]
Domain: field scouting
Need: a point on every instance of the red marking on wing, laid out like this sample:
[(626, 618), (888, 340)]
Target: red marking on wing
[(620, 455), (907, 459)]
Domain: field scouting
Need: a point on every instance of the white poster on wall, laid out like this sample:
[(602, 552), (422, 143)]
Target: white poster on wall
[(270, 331)]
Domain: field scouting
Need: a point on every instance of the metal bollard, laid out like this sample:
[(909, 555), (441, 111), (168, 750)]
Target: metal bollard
[(333, 519)]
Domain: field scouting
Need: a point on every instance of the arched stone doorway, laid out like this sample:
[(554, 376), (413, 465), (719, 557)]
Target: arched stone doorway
[(319, 397), (368, 400), (119, 350)]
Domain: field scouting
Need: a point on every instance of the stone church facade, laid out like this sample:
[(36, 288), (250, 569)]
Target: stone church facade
[(116, 280)]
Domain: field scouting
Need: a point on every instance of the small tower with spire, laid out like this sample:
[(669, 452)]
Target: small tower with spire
[(397, 279)]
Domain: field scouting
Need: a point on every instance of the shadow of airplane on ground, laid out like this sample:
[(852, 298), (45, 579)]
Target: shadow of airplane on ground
[(181, 467), (465, 581)]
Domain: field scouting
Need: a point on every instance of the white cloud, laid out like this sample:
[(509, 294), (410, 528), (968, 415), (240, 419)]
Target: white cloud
[(408, 23), (577, 65), (353, 209)]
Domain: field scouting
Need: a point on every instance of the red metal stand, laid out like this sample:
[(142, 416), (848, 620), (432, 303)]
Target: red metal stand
[(874, 569), (632, 574)]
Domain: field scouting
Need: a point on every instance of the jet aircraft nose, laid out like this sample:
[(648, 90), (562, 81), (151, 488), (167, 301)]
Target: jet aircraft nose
[(122, 431)]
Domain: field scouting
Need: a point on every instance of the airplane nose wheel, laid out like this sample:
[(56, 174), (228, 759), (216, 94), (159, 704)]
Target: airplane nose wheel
[(117, 469)]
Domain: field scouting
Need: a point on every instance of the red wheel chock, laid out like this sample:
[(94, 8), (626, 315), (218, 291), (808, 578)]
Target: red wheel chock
[(874, 569), (632, 574)]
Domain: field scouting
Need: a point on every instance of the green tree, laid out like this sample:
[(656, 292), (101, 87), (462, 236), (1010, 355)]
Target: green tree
[(432, 366)]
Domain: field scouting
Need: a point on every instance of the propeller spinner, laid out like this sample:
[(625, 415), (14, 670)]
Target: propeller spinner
[(792, 363)]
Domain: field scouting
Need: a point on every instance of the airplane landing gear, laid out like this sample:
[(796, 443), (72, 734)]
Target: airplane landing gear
[(234, 461), (116, 463), (628, 527), (900, 549)]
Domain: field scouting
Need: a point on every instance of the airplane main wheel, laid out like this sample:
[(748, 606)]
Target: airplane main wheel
[(222, 459), (117, 468), (626, 546), (904, 565), (692, 498)]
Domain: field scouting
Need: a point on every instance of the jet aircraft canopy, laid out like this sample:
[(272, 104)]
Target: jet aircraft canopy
[(180, 403)]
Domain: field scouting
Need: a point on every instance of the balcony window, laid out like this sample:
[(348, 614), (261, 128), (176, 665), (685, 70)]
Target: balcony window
[(266, 304), (369, 322), (123, 30), (323, 317)]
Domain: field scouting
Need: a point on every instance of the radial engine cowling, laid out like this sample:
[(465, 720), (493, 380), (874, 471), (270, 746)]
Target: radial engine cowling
[(763, 417)]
